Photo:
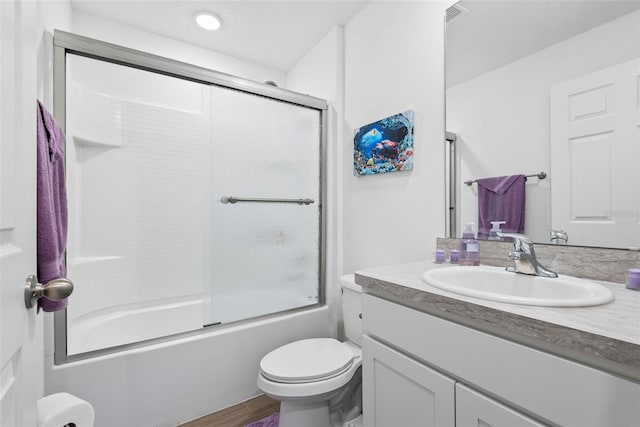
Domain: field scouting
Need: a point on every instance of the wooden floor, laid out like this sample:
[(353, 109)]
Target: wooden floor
[(238, 415)]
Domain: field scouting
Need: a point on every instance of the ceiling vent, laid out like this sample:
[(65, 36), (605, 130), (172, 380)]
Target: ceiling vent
[(455, 11)]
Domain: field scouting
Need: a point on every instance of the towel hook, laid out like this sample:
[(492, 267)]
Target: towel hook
[(55, 290)]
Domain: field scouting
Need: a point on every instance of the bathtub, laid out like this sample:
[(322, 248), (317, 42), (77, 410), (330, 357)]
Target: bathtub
[(132, 324), (170, 382), (127, 325)]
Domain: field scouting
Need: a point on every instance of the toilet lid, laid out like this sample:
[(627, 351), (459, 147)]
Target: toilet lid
[(307, 360)]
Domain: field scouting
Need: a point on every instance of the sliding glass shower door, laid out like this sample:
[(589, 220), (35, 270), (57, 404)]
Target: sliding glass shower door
[(136, 163), (183, 204), (266, 252)]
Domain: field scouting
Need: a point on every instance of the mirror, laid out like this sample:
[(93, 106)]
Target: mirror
[(547, 86)]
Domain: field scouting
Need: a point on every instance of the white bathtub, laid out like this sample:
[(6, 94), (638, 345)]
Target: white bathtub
[(132, 324), (167, 383)]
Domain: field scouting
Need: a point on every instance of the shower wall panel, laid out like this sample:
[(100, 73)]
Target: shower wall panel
[(138, 183)]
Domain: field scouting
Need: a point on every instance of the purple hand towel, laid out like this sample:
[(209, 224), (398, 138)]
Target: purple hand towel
[(501, 199), (51, 204)]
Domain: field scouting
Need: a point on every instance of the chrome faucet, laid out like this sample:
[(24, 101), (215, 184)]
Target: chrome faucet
[(524, 257)]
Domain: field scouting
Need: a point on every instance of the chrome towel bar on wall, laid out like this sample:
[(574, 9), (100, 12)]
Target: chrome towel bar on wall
[(540, 175), (232, 200)]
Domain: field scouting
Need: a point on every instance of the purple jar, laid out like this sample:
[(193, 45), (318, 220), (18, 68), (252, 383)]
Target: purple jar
[(455, 256), (633, 279), (440, 256)]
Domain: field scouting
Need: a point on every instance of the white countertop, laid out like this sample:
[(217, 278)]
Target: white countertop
[(609, 331)]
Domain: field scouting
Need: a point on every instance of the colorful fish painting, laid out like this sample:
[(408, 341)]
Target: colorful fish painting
[(384, 146)]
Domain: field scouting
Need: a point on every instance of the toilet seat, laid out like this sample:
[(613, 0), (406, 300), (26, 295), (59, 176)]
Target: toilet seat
[(308, 360), (313, 389)]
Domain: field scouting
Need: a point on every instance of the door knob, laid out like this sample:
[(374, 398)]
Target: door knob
[(55, 290)]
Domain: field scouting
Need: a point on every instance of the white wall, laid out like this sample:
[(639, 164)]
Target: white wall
[(394, 61), (93, 26), (502, 117), (320, 73)]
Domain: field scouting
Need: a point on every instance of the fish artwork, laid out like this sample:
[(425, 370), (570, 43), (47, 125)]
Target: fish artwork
[(385, 145)]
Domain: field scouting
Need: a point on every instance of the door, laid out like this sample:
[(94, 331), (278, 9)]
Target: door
[(595, 150), (400, 392), (21, 349)]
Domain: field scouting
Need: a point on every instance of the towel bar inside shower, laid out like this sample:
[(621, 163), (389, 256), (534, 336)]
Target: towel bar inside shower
[(540, 175), (233, 199)]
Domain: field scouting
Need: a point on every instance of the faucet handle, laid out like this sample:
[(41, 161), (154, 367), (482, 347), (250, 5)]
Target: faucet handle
[(524, 257), (558, 237), (521, 242)]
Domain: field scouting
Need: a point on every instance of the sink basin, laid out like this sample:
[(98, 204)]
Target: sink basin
[(497, 284)]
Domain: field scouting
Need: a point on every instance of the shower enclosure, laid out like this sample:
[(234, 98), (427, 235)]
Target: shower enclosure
[(195, 198)]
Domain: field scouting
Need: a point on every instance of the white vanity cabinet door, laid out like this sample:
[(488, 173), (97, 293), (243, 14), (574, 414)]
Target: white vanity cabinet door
[(400, 392), (477, 410)]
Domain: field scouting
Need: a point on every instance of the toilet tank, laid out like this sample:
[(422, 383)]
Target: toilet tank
[(352, 308)]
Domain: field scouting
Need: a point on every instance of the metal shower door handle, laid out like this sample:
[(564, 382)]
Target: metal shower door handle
[(233, 199), (55, 290)]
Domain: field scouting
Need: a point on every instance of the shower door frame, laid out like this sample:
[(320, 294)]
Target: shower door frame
[(65, 42)]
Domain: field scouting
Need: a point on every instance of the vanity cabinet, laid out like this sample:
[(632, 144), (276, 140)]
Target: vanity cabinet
[(402, 392), (420, 369)]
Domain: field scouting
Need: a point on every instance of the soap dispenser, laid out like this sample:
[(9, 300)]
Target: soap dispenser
[(469, 247), (495, 229)]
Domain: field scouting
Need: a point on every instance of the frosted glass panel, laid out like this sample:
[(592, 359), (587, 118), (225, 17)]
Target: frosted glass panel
[(152, 250), (265, 256), (139, 208)]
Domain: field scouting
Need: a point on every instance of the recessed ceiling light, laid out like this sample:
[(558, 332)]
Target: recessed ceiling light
[(208, 21)]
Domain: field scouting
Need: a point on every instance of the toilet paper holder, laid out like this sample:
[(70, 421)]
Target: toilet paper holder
[(54, 290), (64, 409)]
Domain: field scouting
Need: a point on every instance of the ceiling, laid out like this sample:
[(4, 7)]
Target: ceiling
[(495, 33), (272, 33)]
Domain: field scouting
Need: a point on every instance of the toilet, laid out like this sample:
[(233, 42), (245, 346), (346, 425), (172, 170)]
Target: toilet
[(318, 381)]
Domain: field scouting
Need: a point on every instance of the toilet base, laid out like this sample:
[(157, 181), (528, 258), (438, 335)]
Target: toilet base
[(356, 422), (296, 414), (338, 408)]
